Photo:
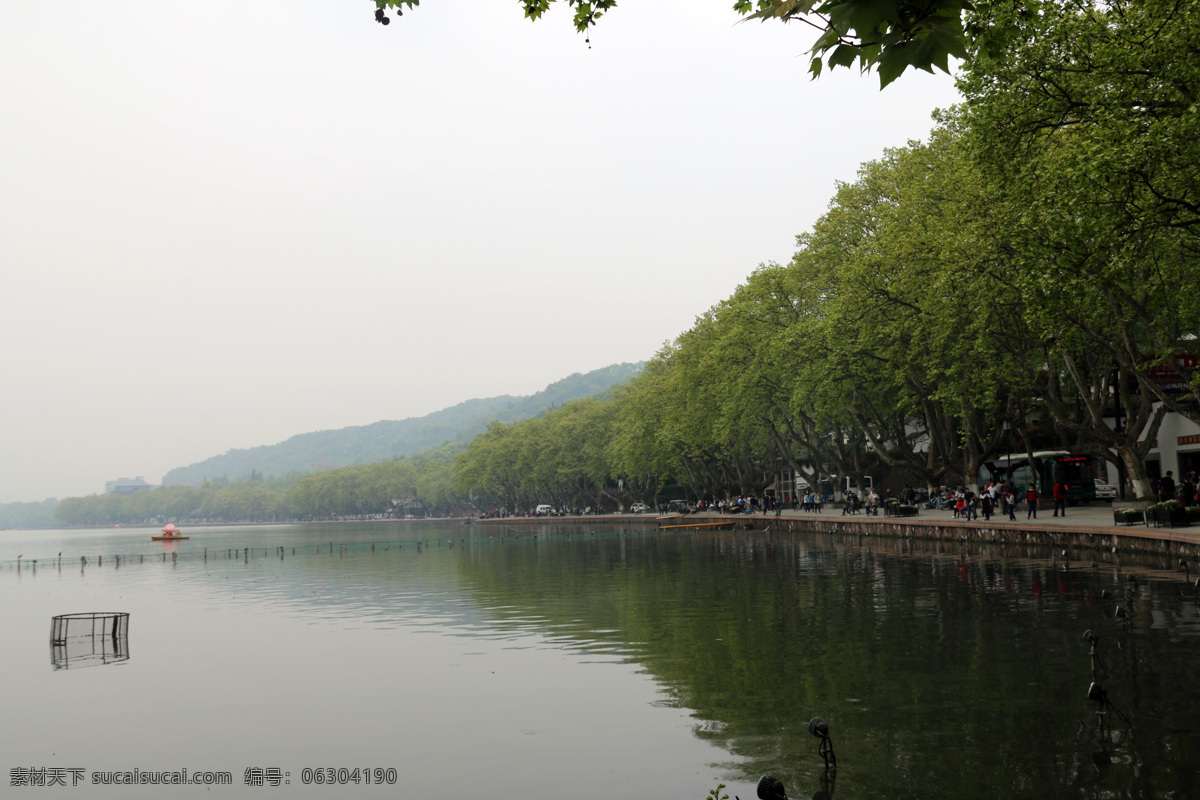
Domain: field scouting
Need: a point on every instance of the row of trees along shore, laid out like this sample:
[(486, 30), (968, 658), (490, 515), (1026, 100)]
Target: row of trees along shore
[(422, 483), (1006, 285)]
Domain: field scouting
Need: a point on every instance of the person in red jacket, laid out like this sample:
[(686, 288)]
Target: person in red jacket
[(1031, 498), (1060, 498)]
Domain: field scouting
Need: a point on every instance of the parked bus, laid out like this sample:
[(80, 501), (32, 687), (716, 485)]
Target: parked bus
[(1077, 470), (850, 485)]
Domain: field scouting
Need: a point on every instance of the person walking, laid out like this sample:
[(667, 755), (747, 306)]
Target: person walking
[(1060, 498), (1166, 488), (1031, 500), (1010, 501)]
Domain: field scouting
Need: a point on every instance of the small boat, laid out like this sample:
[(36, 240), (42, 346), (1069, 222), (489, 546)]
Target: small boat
[(169, 534)]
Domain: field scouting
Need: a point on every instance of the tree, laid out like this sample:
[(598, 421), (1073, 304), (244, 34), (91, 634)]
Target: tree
[(907, 345), (435, 480), (887, 36), (492, 463), (641, 450), (1087, 115), (579, 434), (722, 445), (1084, 123)]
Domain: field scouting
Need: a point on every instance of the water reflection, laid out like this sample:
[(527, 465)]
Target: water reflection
[(944, 670), (950, 671)]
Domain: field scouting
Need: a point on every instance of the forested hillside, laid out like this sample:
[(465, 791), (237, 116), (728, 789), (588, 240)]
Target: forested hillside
[(28, 515), (388, 439)]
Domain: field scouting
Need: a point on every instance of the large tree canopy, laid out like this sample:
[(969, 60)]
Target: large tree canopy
[(887, 36), (1086, 122)]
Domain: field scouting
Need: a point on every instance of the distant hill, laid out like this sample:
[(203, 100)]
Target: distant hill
[(380, 441)]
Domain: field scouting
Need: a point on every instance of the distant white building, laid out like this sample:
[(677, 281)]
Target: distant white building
[(127, 486)]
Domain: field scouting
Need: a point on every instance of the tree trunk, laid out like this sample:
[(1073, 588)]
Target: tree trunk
[(1135, 470)]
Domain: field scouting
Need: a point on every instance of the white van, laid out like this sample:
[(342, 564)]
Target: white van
[(544, 510)]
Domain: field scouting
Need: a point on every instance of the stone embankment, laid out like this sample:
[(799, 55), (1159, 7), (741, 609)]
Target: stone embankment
[(1087, 528)]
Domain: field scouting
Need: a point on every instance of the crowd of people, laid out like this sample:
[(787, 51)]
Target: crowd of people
[(1184, 492), (996, 498), (1001, 499)]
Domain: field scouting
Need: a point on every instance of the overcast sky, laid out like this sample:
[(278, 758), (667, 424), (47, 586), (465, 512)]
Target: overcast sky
[(226, 222)]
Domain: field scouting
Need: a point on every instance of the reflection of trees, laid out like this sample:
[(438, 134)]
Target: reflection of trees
[(950, 676)]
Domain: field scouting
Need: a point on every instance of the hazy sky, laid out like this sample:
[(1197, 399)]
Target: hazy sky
[(225, 222)]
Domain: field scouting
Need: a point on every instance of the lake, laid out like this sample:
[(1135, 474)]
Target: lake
[(466, 661)]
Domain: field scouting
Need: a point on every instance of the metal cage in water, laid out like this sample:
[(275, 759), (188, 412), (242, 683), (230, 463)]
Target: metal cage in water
[(89, 639)]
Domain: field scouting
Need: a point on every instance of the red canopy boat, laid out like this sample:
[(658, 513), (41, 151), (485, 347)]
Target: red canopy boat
[(169, 534)]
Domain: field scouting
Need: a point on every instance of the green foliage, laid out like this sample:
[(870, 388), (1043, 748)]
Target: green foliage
[(1032, 260), (887, 36), (1088, 119), (30, 516), (418, 486), (421, 484), (560, 458), (1084, 122), (716, 794), (587, 12), (237, 501), (645, 447)]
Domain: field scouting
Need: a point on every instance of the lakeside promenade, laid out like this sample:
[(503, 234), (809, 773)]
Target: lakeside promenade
[(1084, 527)]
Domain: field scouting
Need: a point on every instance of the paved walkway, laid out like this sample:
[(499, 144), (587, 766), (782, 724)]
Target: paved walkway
[(1089, 525), (1097, 514)]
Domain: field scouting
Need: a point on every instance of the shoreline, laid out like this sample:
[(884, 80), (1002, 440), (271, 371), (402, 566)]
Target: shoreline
[(1088, 534), (274, 523), (1088, 528)]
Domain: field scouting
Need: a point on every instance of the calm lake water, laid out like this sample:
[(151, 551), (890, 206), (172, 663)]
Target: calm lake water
[(598, 664)]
